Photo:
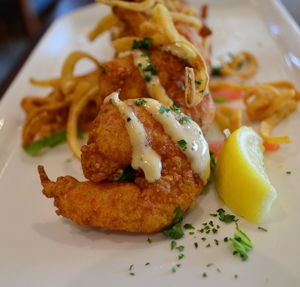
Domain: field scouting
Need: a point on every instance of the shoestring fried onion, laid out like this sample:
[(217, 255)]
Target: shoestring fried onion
[(268, 103)]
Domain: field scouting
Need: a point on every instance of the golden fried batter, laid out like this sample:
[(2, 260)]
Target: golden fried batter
[(136, 207)]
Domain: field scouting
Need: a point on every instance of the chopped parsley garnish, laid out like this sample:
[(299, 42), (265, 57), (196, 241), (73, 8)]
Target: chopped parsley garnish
[(204, 275), (149, 240), (214, 230), (131, 273), (191, 233), (46, 142), (203, 238), (288, 172), (241, 243), (198, 82), (128, 174), (144, 44), (148, 78), (140, 102), (220, 100), (212, 167), (262, 228), (209, 264), (226, 239), (180, 256), (103, 69), (214, 214), (173, 244), (211, 223), (208, 245), (216, 71), (180, 248), (227, 218), (131, 266), (175, 231), (196, 244), (182, 144), (185, 119), (175, 109), (236, 276), (218, 270), (178, 265), (151, 68), (148, 263), (163, 109), (188, 226), (216, 241)]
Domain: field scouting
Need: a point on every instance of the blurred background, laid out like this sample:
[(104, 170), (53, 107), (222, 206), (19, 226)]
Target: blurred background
[(23, 21)]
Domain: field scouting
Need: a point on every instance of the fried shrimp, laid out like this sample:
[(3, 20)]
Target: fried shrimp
[(147, 204)]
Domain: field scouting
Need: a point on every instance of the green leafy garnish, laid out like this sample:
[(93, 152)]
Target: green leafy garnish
[(241, 243), (198, 82), (148, 78), (173, 244), (182, 144), (225, 217), (103, 69), (262, 228), (216, 71), (46, 142), (220, 100), (149, 240), (175, 109), (196, 244), (188, 226), (185, 119), (175, 231), (212, 168), (204, 275), (180, 256), (180, 248), (288, 172), (128, 174), (163, 109), (151, 68), (140, 102), (144, 44)]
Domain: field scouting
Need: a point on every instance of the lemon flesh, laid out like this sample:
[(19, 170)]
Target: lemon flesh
[(241, 179)]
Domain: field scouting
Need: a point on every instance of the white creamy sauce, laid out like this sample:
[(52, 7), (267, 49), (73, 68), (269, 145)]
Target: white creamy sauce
[(153, 85), (143, 156), (196, 148)]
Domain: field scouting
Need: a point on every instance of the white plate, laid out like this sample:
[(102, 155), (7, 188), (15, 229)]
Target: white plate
[(39, 248)]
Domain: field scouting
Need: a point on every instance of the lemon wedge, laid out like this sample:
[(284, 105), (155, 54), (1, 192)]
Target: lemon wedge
[(241, 179)]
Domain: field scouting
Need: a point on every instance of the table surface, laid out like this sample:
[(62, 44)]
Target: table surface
[(66, 6)]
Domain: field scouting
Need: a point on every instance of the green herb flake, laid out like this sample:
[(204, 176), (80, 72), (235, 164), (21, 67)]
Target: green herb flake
[(180, 248), (163, 109), (175, 109), (218, 270), (151, 68), (148, 263), (178, 265), (175, 231), (149, 240), (196, 244), (262, 228), (216, 242), (211, 223), (128, 174), (185, 60), (144, 44), (227, 218), (103, 69), (188, 226), (173, 244), (203, 238), (241, 243), (182, 143), (148, 78), (214, 214), (212, 168), (191, 233), (214, 230), (198, 82), (200, 122), (204, 275), (140, 102), (209, 264), (131, 273), (236, 276), (220, 100), (208, 245), (131, 266), (185, 119), (288, 172), (46, 142), (180, 256), (226, 239), (216, 70)]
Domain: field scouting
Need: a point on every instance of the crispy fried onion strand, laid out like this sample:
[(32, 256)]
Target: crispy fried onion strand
[(164, 34), (228, 118), (242, 65), (268, 103), (70, 96)]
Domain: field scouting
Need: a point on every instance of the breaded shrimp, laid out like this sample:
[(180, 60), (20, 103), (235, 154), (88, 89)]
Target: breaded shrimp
[(141, 206)]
